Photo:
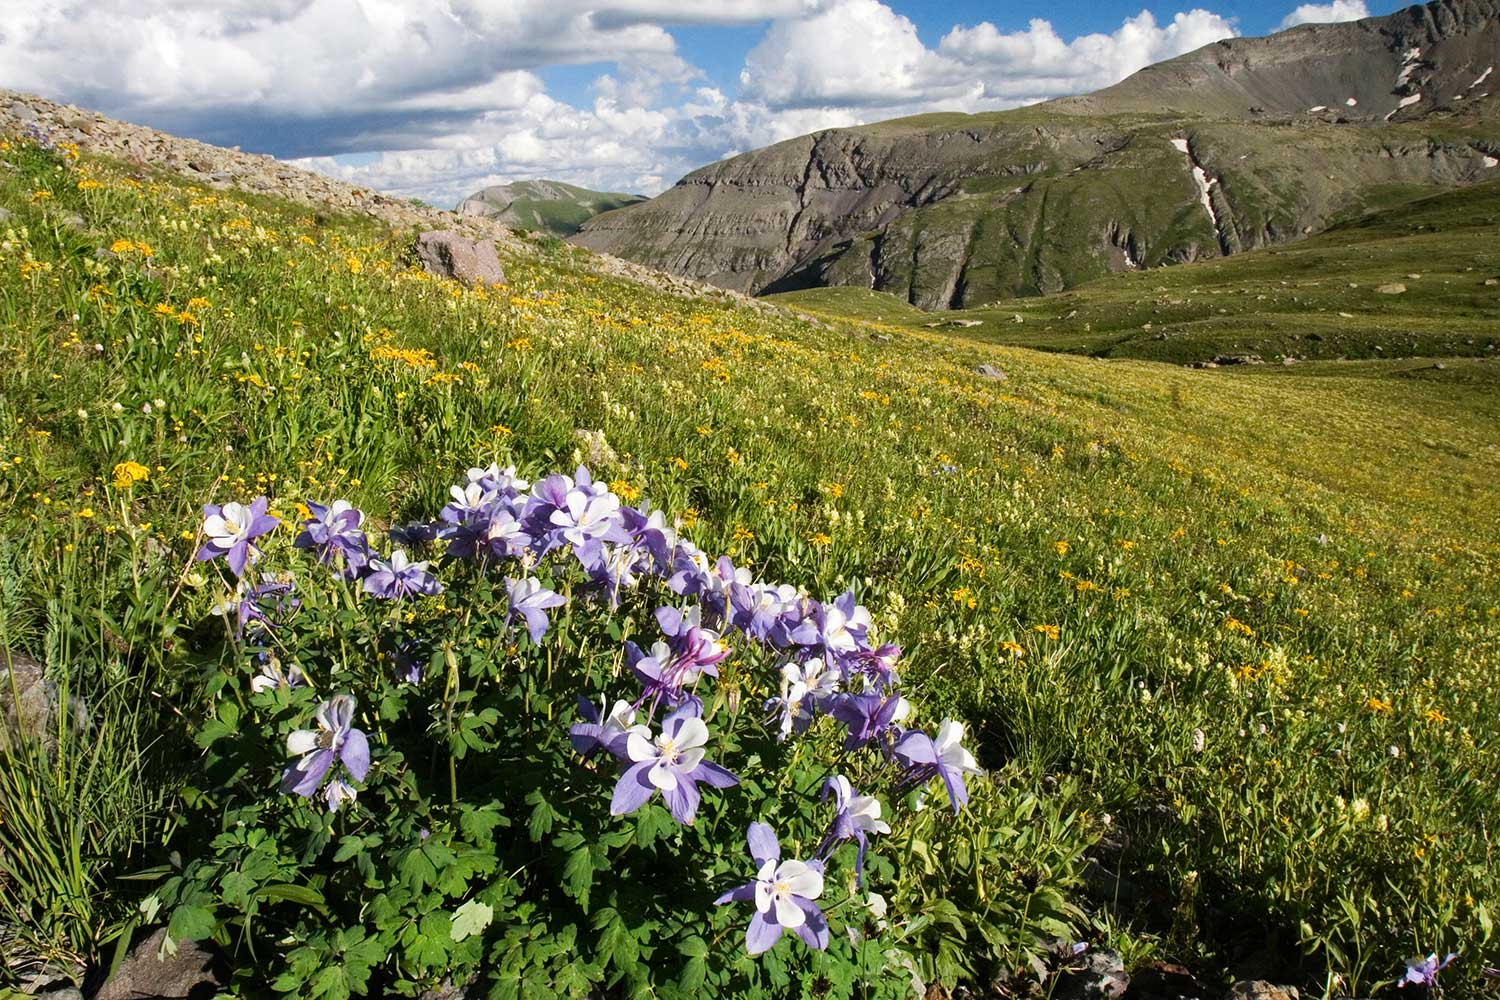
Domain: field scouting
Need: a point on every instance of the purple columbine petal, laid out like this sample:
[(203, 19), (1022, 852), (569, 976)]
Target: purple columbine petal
[(239, 555), (633, 789), (683, 801), (356, 754), (916, 748), (304, 777), (958, 792), (814, 930), (762, 934), (763, 844), (713, 775), (739, 894)]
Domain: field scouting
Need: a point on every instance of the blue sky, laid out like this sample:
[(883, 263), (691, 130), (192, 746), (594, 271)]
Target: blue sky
[(437, 98)]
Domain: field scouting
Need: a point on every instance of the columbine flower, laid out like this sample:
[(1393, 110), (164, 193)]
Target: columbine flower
[(335, 739), (245, 603), (272, 676), (870, 717), (230, 529), (783, 893), (1424, 971), (586, 516), (672, 763), (333, 532), (943, 757), (529, 600), (400, 577), (609, 733), (855, 818)]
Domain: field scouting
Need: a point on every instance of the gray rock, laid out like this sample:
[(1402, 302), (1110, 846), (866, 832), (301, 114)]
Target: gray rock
[(187, 974), (1260, 989), (990, 371), (1391, 288), (4, 215), (1100, 975), (446, 254), (29, 702), (70, 993)]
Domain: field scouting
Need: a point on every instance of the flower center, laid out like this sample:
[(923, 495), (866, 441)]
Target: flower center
[(668, 748)]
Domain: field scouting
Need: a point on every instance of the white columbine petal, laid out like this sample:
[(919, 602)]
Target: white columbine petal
[(638, 746), (302, 741)]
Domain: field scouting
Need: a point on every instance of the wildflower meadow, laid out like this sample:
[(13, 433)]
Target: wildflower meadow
[(578, 638)]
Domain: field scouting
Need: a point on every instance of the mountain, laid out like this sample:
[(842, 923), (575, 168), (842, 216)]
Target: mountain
[(1240, 144), (547, 206)]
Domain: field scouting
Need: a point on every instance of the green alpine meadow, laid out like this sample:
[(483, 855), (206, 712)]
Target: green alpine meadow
[(1219, 645)]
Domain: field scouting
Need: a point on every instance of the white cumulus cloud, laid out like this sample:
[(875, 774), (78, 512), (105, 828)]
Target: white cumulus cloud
[(438, 99), (1324, 13)]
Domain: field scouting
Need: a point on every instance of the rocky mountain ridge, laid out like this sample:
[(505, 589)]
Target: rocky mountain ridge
[(1206, 155)]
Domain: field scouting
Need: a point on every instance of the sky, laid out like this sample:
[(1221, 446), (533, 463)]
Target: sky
[(439, 98)]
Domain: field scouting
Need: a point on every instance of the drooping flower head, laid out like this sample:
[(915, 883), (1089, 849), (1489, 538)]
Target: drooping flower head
[(943, 757), (230, 531), (870, 717), (598, 732), (783, 894), (400, 578), (855, 818), (274, 674), (672, 763), (1423, 972), (253, 606), (335, 740), (529, 601)]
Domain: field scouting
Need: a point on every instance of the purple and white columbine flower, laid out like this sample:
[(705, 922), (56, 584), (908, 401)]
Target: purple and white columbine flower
[(273, 676), (335, 740), (869, 717), (1424, 971), (529, 600), (333, 532), (231, 529), (855, 818), (943, 757), (672, 764), (400, 577), (245, 603), (783, 893), (609, 733)]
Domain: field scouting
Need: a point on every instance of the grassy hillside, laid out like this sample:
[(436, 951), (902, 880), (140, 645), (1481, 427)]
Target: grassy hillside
[(1238, 633), (1320, 298), (544, 206)]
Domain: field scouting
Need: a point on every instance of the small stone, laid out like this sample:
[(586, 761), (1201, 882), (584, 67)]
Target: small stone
[(1259, 989), (1101, 977), (1163, 981), (1492, 281), (1391, 288), (446, 254), (990, 371)]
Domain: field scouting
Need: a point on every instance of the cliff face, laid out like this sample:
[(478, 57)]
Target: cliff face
[(1237, 145)]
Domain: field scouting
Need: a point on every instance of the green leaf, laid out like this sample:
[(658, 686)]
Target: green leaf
[(191, 923), (291, 894), (470, 919), (578, 875)]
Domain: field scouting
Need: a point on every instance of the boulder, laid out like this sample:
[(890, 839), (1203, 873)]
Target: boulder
[(29, 703), (186, 973), (446, 254), (1391, 288)]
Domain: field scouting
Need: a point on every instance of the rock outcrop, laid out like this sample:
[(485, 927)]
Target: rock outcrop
[(1238, 145)]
